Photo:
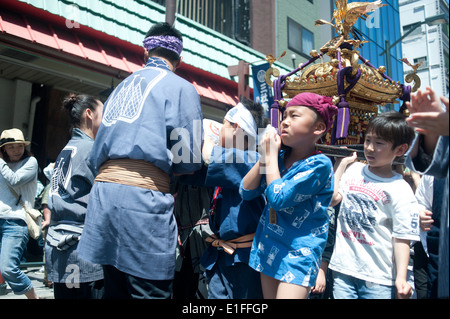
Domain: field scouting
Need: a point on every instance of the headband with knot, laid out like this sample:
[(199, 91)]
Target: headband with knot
[(322, 104), (242, 116), (168, 42)]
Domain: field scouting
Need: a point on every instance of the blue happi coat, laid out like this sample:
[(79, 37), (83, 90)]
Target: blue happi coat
[(71, 183), (155, 116), (290, 250), (233, 217)]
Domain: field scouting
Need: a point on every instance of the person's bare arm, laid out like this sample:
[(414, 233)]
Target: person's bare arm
[(428, 118), (340, 166), (401, 255)]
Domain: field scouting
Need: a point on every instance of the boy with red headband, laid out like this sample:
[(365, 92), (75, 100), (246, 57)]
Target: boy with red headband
[(298, 183)]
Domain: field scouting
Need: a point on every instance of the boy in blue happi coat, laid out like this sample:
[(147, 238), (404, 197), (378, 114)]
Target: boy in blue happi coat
[(233, 220), (298, 184)]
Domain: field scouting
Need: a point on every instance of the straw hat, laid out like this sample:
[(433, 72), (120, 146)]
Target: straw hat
[(12, 136)]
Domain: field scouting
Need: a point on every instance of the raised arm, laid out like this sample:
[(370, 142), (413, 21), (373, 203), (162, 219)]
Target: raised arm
[(428, 118), (267, 164), (23, 175), (339, 168)]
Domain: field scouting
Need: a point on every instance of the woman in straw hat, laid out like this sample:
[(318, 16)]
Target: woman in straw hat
[(18, 171)]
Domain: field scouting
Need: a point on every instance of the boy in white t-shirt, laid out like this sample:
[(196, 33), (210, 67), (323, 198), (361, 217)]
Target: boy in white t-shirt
[(378, 216)]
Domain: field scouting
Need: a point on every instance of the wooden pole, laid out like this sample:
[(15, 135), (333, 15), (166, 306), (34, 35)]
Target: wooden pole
[(171, 9), (242, 72)]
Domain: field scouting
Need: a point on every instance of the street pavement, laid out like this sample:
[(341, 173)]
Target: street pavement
[(36, 275)]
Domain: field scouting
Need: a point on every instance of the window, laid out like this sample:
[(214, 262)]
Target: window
[(300, 40), (416, 31), (424, 61), (229, 17), (307, 41)]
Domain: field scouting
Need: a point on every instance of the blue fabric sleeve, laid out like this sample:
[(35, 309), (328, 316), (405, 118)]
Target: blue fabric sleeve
[(23, 175), (284, 193), (184, 124), (248, 194), (440, 160), (228, 166)]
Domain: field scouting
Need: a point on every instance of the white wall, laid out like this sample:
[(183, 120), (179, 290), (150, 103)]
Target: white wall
[(423, 42)]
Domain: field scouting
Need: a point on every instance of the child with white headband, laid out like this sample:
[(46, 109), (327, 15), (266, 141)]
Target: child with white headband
[(232, 220)]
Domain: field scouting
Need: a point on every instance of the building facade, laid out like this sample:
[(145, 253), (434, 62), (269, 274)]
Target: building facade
[(268, 26), (49, 48), (296, 30), (426, 44), (381, 29)]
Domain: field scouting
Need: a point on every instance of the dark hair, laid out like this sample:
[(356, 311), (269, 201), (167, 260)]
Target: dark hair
[(256, 110), (258, 114), (6, 158), (392, 127), (76, 105), (163, 28)]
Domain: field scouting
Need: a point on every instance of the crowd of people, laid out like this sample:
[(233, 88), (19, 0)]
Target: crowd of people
[(142, 201)]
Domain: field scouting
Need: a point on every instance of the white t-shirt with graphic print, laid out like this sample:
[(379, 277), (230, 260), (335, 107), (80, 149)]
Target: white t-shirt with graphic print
[(373, 211)]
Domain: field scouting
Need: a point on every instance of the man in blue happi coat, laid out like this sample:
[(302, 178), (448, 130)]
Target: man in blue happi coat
[(151, 129)]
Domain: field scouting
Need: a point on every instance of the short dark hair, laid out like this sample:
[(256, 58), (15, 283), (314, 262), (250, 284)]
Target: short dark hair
[(163, 28), (392, 127), (256, 110)]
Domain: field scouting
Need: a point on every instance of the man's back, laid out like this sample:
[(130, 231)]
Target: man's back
[(128, 227), (143, 112)]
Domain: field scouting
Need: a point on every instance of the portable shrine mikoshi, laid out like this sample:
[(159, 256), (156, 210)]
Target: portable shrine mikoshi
[(357, 86)]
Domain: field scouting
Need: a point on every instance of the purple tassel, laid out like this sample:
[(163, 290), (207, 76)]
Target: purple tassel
[(406, 97), (275, 107), (343, 116), (343, 119), (275, 116)]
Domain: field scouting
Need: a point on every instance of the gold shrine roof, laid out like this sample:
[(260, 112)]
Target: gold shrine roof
[(373, 87)]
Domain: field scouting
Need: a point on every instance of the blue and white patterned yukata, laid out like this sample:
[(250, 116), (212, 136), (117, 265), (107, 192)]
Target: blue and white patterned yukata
[(155, 116), (290, 250), (71, 183), (229, 275)]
